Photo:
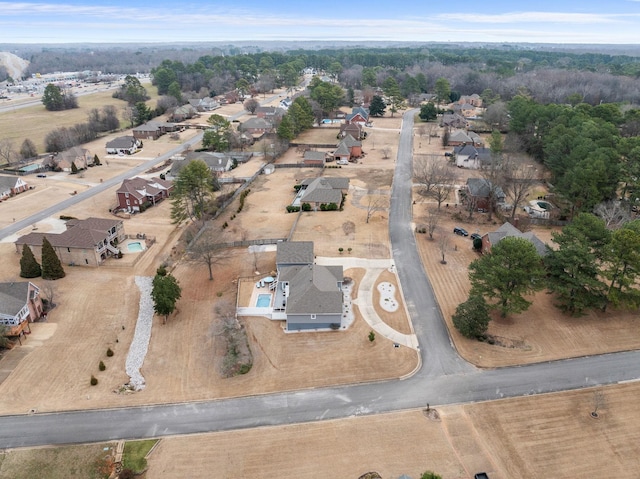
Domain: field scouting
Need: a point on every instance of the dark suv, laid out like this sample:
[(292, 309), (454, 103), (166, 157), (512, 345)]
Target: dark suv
[(460, 231)]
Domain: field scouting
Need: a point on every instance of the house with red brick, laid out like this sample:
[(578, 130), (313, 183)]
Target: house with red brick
[(314, 158), (137, 194), (358, 115), (19, 301), (11, 186)]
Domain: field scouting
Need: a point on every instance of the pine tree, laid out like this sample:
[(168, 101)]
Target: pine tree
[(51, 266), (29, 267), (96, 160), (74, 168)]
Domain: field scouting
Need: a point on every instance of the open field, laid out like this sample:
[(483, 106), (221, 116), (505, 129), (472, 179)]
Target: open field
[(68, 462), (532, 437), (40, 121), (551, 435)]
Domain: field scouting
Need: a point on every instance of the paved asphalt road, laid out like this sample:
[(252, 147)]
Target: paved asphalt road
[(444, 378)]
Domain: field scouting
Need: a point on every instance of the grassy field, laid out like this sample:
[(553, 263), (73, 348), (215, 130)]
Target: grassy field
[(134, 454), (35, 122), (69, 462)]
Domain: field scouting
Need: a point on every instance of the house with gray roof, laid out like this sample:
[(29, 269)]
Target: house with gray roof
[(19, 302), (123, 145), (472, 157), (11, 186), (323, 190), (479, 190), (314, 158), (309, 295), (508, 230), (85, 242)]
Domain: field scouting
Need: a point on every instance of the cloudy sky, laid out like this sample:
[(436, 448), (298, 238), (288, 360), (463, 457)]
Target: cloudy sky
[(560, 21)]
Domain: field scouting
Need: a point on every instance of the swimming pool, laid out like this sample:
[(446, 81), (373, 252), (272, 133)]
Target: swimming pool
[(264, 301), (134, 247)]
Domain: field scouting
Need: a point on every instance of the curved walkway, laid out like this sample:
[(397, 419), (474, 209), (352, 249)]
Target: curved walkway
[(443, 379), (373, 268)]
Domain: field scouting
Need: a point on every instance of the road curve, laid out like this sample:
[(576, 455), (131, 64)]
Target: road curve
[(443, 379)]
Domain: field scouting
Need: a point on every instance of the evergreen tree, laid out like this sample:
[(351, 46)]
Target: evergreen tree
[(74, 168), (165, 293), (51, 266), (96, 160), (286, 129), (428, 112), (472, 317), (504, 276), (377, 106), (29, 267)]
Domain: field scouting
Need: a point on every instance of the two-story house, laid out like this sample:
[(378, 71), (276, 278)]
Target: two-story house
[(85, 242)]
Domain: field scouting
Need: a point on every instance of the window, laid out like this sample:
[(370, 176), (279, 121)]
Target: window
[(126, 195), (313, 316), (127, 202)]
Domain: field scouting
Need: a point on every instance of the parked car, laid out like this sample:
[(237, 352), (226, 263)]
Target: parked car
[(41, 175), (448, 153), (475, 236), (460, 231)]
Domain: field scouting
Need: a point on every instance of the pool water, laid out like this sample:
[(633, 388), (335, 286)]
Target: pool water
[(264, 301), (134, 247)]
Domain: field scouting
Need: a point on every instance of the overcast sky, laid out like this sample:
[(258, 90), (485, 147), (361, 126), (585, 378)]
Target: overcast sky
[(560, 21)]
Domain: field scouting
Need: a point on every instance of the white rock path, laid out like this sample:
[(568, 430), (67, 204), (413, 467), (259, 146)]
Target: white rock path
[(142, 334)]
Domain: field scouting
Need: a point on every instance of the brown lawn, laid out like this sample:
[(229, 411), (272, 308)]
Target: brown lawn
[(97, 309), (530, 437), (41, 121)]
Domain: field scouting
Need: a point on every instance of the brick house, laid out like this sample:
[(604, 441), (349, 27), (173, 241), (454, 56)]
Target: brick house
[(138, 193), (85, 242), (11, 186), (19, 302)]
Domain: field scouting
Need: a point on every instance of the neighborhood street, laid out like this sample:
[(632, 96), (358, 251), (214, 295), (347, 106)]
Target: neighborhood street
[(444, 377)]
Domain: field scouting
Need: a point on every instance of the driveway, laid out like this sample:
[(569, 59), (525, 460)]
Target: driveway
[(443, 379)]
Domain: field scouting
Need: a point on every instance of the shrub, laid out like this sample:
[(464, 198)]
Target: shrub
[(297, 187), (293, 209), (340, 250), (101, 366), (332, 207), (109, 352), (306, 207), (323, 207), (472, 317), (94, 380), (372, 336)]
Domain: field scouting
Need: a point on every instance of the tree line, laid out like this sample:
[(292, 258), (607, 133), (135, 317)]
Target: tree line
[(592, 152), (590, 267)]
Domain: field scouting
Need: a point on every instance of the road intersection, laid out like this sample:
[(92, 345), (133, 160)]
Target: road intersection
[(444, 377)]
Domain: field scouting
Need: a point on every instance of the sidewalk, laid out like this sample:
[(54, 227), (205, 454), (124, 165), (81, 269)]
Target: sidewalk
[(364, 301)]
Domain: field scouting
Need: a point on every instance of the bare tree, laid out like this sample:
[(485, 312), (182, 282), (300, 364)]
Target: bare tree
[(206, 251), (50, 290), (251, 105), (435, 176), (431, 128), (443, 245), (493, 174), (518, 179), (7, 151), (433, 218), (614, 214), (374, 204), (386, 152), (226, 312)]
